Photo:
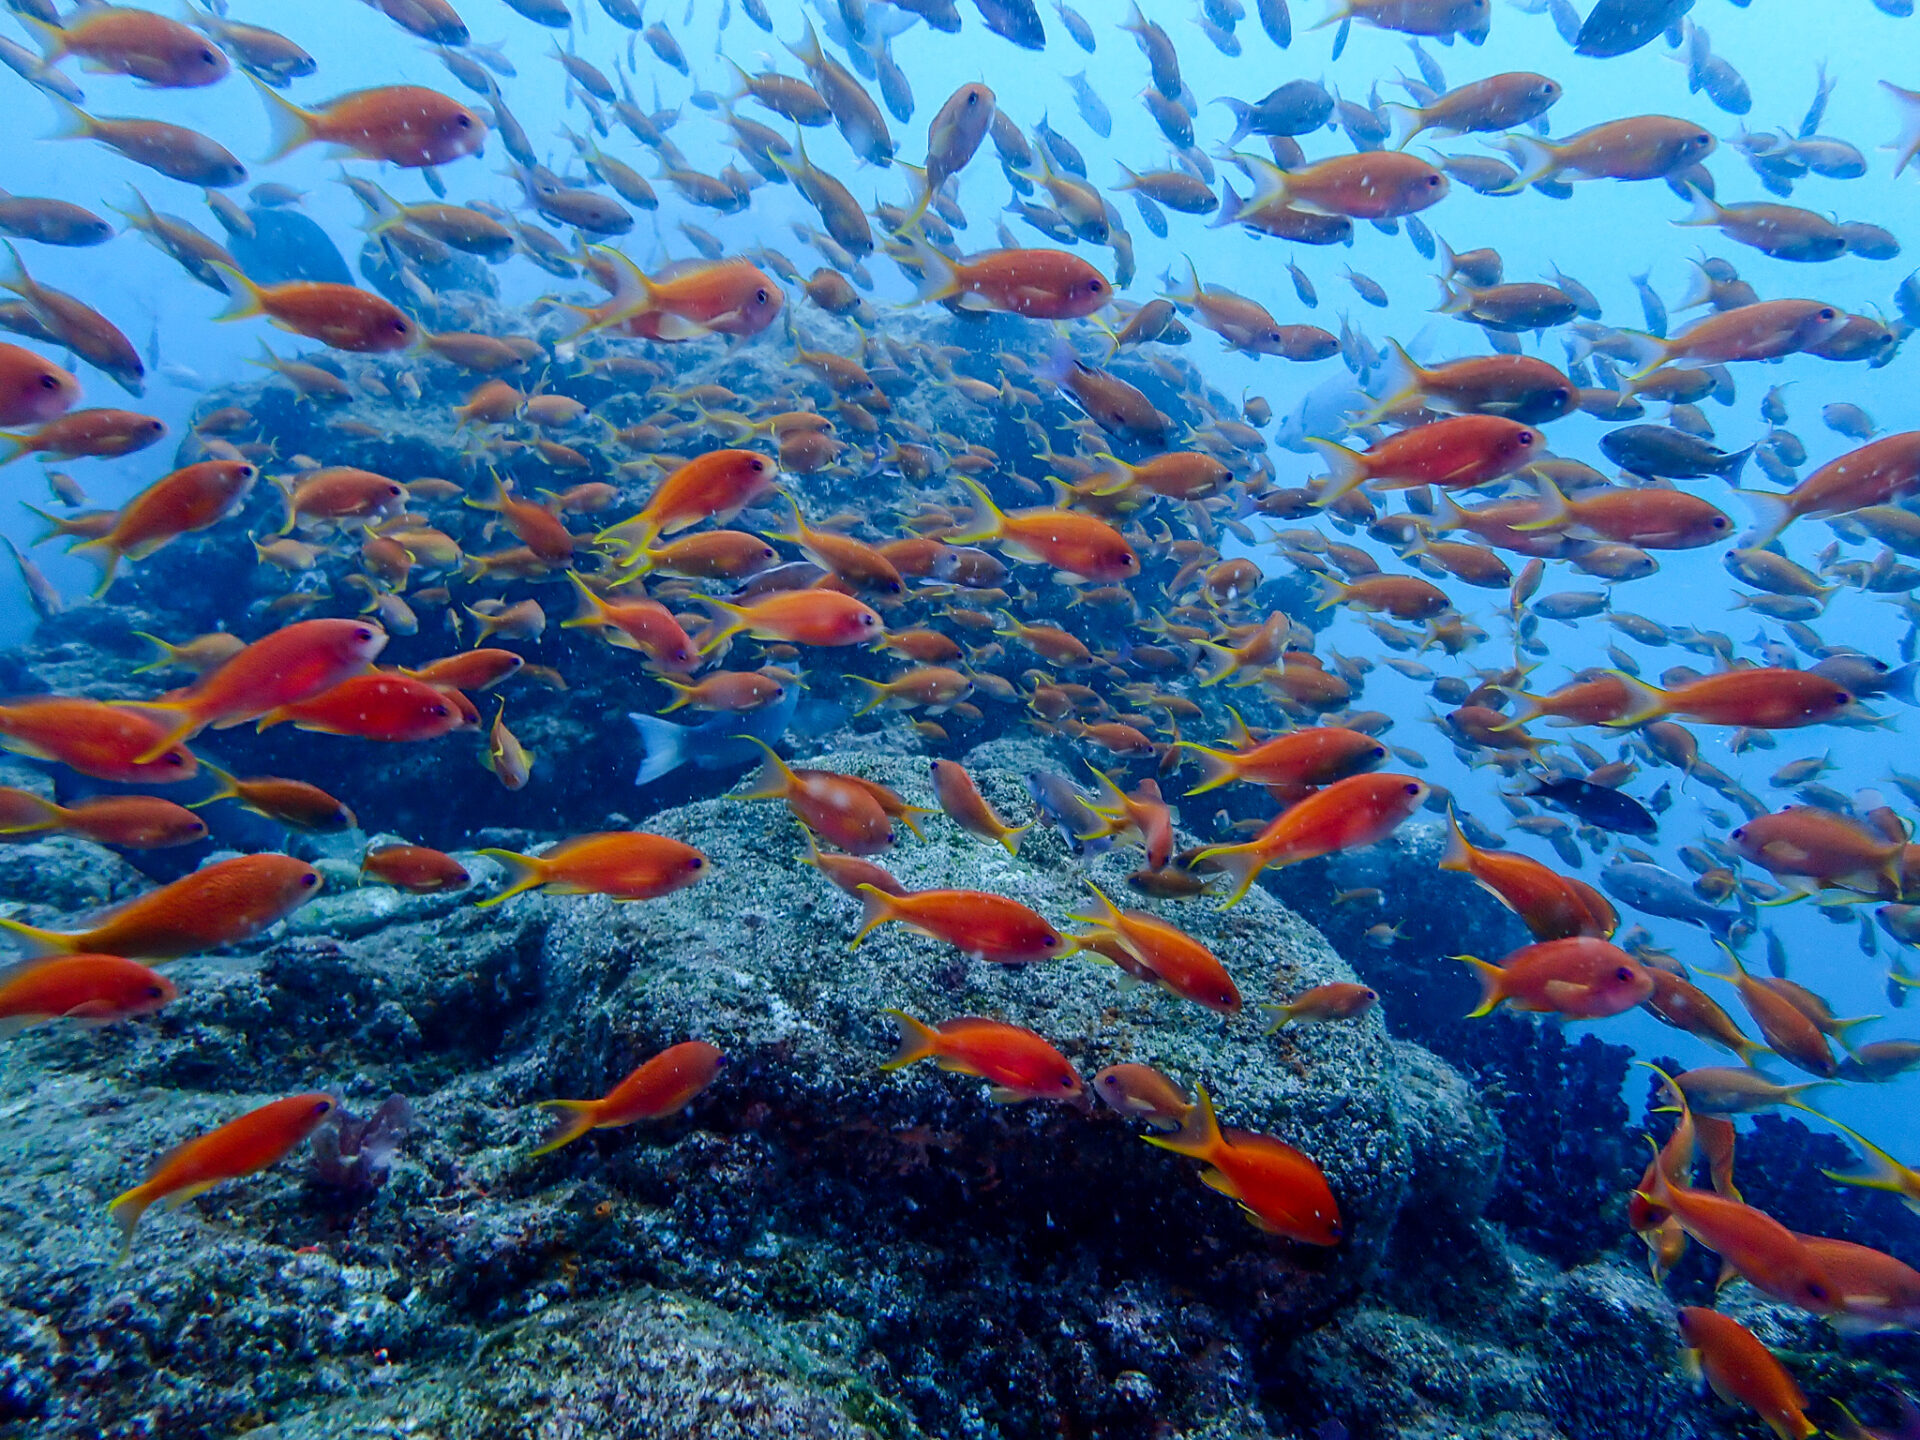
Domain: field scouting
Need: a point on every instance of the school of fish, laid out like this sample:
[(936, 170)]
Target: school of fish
[(1091, 575)]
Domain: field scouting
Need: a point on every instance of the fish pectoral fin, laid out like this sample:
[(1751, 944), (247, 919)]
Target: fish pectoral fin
[(1215, 1180), (1005, 1095), (184, 1196), (1260, 1222), (678, 327)]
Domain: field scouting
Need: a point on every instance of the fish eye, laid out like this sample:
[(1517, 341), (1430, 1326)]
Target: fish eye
[(1719, 522), (1623, 974), (465, 122), (1370, 994), (321, 1107), (207, 57), (309, 880), (1412, 787), (1433, 180), (761, 295), (49, 382), (696, 862), (1827, 313), (1561, 394), (393, 489), (1817, 1291), (1049, 942), (1379, 752), (757, 466), (399, 327), (362, 634)]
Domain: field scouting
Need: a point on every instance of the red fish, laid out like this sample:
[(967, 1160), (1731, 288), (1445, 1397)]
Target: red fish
[(1281, 1190), (407, 125), (663, 1086), (984, 926), (92, 989), (1581, 977), (97, 739), (1017, 1063), (1742, 1371), (292, 664), (1148, 948), (240, 1147), (625, 864), (1348, 814), (415, 867), (221, 904)]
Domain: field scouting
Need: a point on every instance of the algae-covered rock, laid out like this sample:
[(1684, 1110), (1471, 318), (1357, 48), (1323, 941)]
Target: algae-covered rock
[(647, 1366), (981, 1267)]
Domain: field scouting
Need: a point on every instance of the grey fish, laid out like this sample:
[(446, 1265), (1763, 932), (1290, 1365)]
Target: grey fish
[(1654, 891), (1619, 27), (1666, 453), (1092, 108), (1298, 107), (1063, 806), (713, 744)]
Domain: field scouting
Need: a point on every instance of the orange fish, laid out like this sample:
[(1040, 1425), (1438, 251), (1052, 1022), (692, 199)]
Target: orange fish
[(91, 989), (688, 301), (1017, 1063), (850, 872), (1280, 1189), (1754, 1245), (1148, 948), (1040, 284), (135, 822), (1297, 760), (126, 41), (715, 486), (415, 867), (1640, 147), (934, 688), (1760, 698), (983, 926), (711, 555), (33, 390), (1080, 545), (1348, 814), (1742, 1371), (625, 864), (220, 904), (1455, 453), (643, 625), (1143, 815), (190, 499), (1808, 842), (290, 802), (1786, 1028), (379, 705), (538, 528), (343, 316), (240, 1147), (728, 692), (1685, 1006), (406, 125), (340, 492), (1372, 185), (1581, 977), (294, 663), (1141, 1092), (85, 433), (1878, 473), (469, 670), (96, 739), (663, 1086), (1554, 907), (837, 808), (1336, 1000), (824, 618), (970, 810)]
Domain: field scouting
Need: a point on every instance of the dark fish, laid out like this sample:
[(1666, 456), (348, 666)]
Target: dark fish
[(1655, 891), (1596, 804), (1662, 452), (1619, 27), (1298, 107), (1063, 806), (1015, 20), (714, 744)]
